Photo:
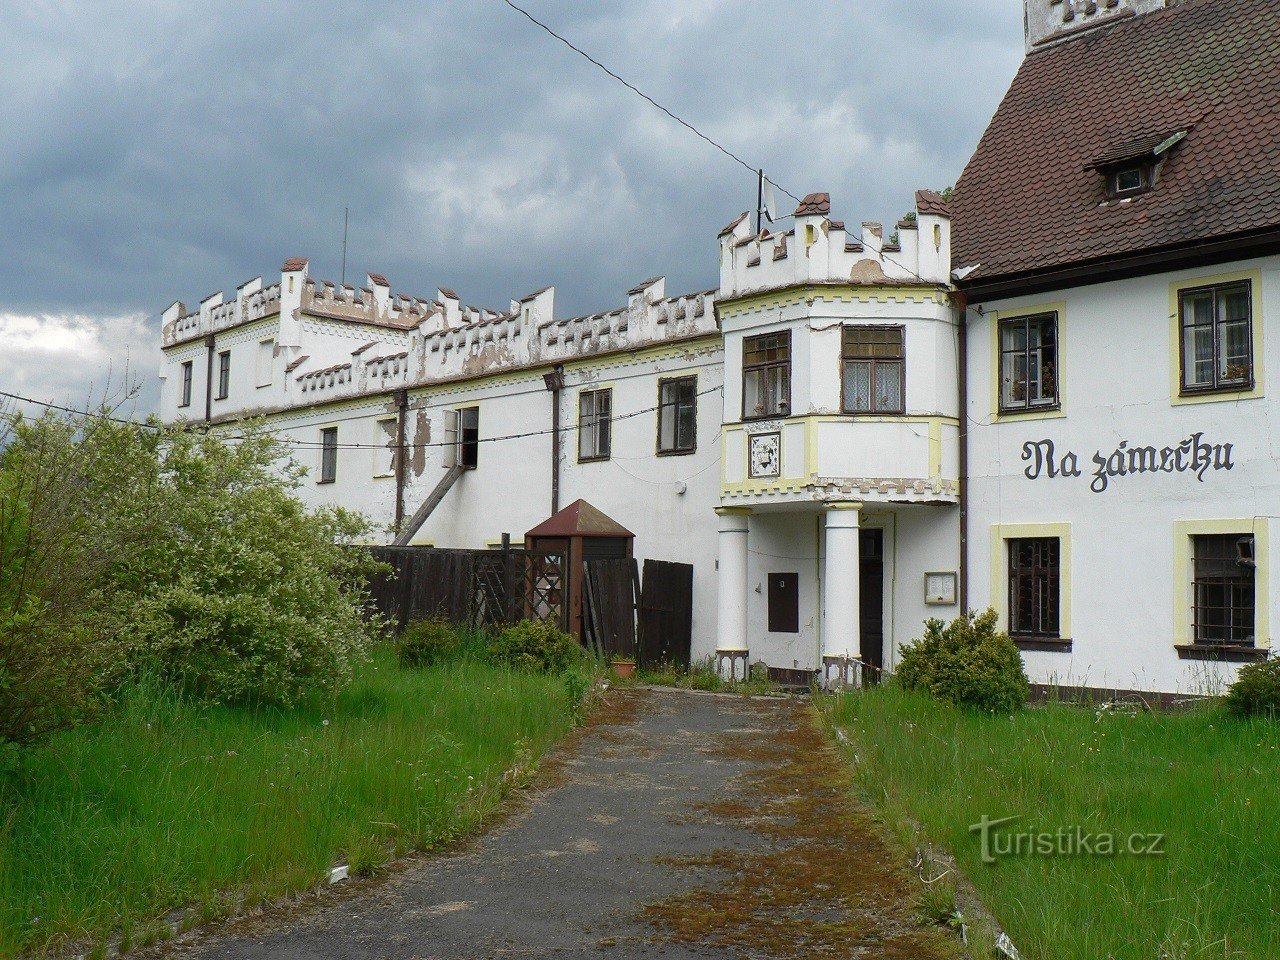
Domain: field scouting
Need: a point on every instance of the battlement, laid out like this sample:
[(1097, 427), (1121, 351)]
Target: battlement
[(820, 250), (1049, 20)]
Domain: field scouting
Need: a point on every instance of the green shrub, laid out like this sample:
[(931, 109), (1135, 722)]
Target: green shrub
[(425, 643), (967, 662), (531, 645), (1256, 690)]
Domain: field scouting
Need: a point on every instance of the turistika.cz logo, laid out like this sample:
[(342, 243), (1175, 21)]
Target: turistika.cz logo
[(1066, 841)]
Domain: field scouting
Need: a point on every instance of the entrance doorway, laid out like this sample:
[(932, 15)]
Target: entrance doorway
[(871, 602)]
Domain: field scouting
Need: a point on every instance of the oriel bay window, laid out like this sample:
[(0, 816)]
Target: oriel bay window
[(1222, 589), (873, 370), (595, 412), (1034, 572), (1217, 337), (766, 375), (678, 415), (1029, 363)]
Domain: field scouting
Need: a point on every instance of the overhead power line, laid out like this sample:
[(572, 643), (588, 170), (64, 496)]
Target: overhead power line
[(755, 171)]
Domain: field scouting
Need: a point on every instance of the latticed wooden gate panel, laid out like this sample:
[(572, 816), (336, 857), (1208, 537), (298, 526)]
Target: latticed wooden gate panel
[(546, 588)]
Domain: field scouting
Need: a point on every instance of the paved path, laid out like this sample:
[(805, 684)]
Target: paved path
[(676, 825)]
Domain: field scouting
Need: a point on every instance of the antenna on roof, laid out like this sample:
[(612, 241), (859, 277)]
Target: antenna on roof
[(766, 201), (345, 212)]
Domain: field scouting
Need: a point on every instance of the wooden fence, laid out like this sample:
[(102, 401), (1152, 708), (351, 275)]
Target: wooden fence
[(479, 587)]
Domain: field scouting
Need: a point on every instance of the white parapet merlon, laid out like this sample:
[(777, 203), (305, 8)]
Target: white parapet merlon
[(732, 654), (841, 644)]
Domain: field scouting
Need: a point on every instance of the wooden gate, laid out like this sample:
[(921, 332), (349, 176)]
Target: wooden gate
[(666, 614), (609, 607)]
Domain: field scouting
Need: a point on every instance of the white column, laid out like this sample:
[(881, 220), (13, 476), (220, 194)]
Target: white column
[(841, 644), (732, 656)]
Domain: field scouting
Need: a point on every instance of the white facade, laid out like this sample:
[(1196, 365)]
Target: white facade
[(822, 534), (1126, 537)]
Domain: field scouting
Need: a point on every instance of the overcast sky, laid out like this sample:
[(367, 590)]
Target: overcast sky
[(159, 150)]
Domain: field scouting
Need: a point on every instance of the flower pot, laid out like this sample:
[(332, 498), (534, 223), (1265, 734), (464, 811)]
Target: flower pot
[(624, 668)]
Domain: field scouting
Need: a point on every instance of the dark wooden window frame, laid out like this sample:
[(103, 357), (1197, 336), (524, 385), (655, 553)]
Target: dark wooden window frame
[(607, 420), (1025, 321), (784, 402), (328, 454), (224, 375), (1035, 635), (188, 375), (468, 438), (1231, 647), (1146, 173), (901, 361), (1239, 386), (677, 451)]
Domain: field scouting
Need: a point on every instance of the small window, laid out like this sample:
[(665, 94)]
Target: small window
[(224, 374), (1222, 589), (1127, 181), (678, 415), (1029, 363), (468, 455), (386, 451), (328, 454), (266, 362), (187, 373), (784, 603), (1217, 338), (766, 376), (873, 370), (595, 410), (1034, 567)]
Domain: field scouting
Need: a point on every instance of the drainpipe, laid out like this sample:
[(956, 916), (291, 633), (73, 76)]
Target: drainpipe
[(962, 392), (208, 378), (402, 458), (555, 383)]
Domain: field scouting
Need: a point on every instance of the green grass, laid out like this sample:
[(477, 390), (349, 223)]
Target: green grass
[(163, 803), (1208, 781)]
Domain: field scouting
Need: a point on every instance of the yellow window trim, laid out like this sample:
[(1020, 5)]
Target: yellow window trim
[(1183, 531), (1058, 307), (1002, 532), (1175, 337)]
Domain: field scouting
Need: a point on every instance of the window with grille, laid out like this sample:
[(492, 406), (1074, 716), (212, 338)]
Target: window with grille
[(224, 374), (187, 372), (1222, 589), (1029, 363), (1034, 567), (328, 454), (595, 410), (678, 415), (1217, 338), (766, 375), (873, 370)]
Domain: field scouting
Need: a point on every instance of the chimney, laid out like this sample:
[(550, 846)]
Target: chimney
[(381, 292), (1047, 20)]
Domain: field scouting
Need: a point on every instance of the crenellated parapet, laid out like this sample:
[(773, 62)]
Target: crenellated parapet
[(820, 250)]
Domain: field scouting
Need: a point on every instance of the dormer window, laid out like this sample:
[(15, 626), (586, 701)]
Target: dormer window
[(1131, 168), (1130, 181)]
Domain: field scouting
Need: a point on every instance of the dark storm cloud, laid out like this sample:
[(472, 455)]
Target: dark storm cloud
[(160, 151)]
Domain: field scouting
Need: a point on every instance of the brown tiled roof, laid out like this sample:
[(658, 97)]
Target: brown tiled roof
[(296, 364), (379, 279), (736, 220), (294, 264), (815, 204), (932, 204), (1030, 200)]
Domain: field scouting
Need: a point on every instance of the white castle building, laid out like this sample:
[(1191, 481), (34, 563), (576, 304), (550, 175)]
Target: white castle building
[(1046, 394)]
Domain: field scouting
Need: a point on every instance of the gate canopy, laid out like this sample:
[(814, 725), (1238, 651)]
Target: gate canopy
[(579, 519)]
